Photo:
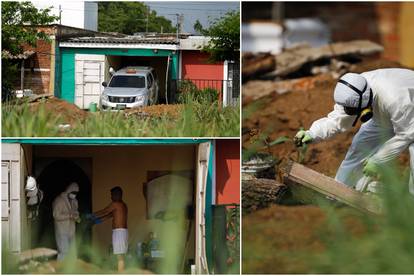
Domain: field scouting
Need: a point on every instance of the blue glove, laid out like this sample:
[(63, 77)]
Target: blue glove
[(97, 220), (90, 217)]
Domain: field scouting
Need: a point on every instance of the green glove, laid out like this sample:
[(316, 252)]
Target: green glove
[(302, 137), (371, 169)]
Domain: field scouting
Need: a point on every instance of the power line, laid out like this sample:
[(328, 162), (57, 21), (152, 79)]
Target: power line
[(189, 9)]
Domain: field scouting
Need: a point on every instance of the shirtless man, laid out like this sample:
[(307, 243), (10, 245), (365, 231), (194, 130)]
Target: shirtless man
[(118, 210)]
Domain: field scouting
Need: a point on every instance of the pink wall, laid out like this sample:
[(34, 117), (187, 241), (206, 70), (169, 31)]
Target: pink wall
[(195, 66), (227, 171)]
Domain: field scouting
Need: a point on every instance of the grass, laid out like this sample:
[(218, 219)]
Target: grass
[(196, 119), (383, 244), (387, 247), (19, 121)]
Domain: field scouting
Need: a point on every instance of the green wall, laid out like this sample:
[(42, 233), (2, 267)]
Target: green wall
[(65, 75)]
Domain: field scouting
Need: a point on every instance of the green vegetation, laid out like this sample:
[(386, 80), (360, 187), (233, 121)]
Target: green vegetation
[(188, 92), (196, 119), (225, 37), (19, 121), (342, 241), (14, 35), (386, 247), (130, 17)]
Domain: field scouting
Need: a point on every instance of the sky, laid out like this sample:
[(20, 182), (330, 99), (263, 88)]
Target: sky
[(203, 11)]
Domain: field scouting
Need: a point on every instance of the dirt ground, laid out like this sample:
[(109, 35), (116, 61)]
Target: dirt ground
[(289, 239), (157, 111)]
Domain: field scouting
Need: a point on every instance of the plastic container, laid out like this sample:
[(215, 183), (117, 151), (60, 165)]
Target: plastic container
[(92, 107)]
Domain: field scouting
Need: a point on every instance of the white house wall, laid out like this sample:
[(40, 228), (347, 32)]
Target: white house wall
[(14, 220)]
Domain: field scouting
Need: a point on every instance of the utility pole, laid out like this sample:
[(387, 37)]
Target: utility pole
[(60, 15), (176, 26), (179, 19), (146, 28)]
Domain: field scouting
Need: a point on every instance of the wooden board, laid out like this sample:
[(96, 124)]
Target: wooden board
[(325, 185)]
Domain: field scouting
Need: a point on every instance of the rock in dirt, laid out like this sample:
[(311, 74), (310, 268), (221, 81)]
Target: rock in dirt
[(259, 193), (36, 253), (256, 65), (293, 59)]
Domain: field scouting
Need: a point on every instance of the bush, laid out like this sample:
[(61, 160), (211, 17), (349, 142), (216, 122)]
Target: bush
[(188, 92)]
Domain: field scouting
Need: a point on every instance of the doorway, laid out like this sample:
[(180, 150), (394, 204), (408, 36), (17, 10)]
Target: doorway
[(54, 175)]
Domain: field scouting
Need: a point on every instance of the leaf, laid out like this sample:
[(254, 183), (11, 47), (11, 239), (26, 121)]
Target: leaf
[(279, 140)]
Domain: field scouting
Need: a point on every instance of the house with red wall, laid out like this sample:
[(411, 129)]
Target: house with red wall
[(195, 65)]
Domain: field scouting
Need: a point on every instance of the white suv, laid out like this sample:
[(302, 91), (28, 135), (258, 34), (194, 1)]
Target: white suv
[(130, 87)]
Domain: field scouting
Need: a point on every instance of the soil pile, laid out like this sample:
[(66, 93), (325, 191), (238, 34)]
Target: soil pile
[(69, 113), (157, 111)]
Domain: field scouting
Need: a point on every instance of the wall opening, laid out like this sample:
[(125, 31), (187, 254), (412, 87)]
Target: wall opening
[(158, 63)]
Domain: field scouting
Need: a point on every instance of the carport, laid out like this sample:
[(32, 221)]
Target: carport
[(97, 165), (85, 62)]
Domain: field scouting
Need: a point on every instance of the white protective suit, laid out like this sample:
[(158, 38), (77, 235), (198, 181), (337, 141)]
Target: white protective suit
[(386, 135), (65, 214)]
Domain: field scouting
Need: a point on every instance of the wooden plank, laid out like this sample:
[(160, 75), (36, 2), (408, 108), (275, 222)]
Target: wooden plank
[(323, 184)]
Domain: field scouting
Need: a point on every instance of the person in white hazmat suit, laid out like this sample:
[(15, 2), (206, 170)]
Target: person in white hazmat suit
[(384, 101), (66, 215)]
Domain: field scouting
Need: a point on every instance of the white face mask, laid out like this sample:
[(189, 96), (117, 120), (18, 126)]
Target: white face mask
[(72, 196)]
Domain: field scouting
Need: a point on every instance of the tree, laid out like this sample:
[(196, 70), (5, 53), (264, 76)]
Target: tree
[(16, 18), (130, 17), (225, 37)]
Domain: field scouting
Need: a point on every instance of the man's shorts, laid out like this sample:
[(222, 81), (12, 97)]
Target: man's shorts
[(120, 240)]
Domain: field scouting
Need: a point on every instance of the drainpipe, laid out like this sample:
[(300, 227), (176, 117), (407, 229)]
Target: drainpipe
[(22, 75), (52, 66), (166, 79)]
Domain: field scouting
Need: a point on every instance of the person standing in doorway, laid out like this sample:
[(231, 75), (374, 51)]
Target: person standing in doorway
[(66, 215), (118, 211)]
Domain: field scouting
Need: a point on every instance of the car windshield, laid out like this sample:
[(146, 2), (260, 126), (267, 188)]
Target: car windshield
[(127, 81)]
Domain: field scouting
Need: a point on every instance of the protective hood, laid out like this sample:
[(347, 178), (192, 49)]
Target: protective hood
[(73, 187), (345, 95)]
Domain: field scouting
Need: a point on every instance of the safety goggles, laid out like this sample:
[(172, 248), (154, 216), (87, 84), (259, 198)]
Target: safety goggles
[(351, 110)]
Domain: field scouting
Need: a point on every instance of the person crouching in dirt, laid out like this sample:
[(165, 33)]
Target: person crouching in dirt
[(118, 211), (383, 100)]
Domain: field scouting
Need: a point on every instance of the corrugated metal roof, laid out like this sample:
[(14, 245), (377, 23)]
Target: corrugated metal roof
[(25, 55), (125, 40)]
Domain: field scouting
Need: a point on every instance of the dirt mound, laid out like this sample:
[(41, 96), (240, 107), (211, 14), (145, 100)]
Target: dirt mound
[(282, 115), (157, 111), (280, 239), (69, 113)]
